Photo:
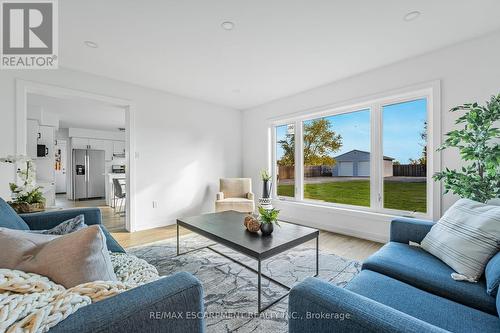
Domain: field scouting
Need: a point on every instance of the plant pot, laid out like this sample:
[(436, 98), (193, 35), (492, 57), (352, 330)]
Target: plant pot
[(23, 207), (266, 229), (266, 189)]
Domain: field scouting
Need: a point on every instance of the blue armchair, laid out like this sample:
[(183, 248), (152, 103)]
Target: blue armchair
[(171, 304), (401, 288)]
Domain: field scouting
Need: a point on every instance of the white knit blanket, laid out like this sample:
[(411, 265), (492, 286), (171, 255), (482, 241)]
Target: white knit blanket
[(32, 303)]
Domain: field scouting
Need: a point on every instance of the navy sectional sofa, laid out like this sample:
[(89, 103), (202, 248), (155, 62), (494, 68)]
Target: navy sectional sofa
[(153, 307), (401, 288)]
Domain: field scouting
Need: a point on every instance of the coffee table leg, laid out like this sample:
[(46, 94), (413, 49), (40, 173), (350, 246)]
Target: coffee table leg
[(317, 255), (258, 285), (177, 239)]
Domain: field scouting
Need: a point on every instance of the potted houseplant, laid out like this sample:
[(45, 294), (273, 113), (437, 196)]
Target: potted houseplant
[(479, 147), (267, 218), (26, 197), (266, 184)]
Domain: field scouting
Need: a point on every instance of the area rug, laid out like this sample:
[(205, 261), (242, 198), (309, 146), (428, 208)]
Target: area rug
[(231, 290)]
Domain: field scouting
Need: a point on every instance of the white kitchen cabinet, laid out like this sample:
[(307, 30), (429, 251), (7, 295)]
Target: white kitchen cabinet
[(79, 143), (47, 138), (106, 145), (118, 147), (32, 138)]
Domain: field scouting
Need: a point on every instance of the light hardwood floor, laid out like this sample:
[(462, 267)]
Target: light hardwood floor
[(344, 246), (112, 221)]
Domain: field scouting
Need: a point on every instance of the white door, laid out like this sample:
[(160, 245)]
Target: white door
[(346, 169), (61, 166), (364, 169)]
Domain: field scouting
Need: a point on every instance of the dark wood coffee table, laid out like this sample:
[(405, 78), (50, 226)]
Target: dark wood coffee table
[(226, 228)]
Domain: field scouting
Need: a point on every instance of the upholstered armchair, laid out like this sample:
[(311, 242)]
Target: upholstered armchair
[(235, 194)]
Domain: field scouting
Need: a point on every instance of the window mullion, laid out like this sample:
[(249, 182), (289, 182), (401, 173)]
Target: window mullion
[(274, 163), (376, 161), (299, 162)]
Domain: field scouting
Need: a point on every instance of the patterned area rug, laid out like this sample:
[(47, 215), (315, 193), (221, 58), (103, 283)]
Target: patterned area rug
[(231, 290)]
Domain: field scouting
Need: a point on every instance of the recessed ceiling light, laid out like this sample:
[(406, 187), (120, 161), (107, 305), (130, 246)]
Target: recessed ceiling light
[(228, 25), (91, 44), (412, 16)]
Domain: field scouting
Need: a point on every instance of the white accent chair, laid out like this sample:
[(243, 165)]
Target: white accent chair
[(235, 194)]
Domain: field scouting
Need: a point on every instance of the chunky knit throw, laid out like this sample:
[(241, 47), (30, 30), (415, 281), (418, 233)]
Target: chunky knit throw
[(32, 303)]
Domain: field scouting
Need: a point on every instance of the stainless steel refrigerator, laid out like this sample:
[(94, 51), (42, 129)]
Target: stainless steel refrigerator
[(88, 174)]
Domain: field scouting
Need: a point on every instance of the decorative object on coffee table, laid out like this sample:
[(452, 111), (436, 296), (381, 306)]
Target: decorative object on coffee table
[(267, 187), (268, 217), (252, 224), (27, 197)]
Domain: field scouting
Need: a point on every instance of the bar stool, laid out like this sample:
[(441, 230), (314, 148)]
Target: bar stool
[(120, 195)]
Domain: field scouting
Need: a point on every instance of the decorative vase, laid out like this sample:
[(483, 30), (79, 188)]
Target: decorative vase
[(266, 189), (266, 229), (23, 207)]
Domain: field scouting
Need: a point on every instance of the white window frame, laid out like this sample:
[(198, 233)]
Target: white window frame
[(429, 91)]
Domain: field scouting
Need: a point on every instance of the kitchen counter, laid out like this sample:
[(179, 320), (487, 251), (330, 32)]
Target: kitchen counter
[(49, 192)]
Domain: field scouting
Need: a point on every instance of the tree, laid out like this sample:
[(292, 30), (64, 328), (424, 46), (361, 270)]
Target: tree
[(320, 141), (423, 158), (479, 147)]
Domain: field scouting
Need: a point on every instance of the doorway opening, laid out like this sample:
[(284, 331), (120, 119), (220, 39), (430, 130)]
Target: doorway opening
[(86, 141)]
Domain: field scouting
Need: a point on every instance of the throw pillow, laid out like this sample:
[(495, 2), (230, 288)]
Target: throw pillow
[(65, 227), (69, 260), (465, 238)]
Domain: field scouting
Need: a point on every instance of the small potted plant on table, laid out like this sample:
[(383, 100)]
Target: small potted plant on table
[(268, 217)]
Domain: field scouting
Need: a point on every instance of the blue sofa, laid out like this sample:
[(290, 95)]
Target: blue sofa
[(401, 288), (171, 304)]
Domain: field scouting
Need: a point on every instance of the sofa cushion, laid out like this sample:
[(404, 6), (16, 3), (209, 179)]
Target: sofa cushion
[(492, 275), (425, 306), (9, 218), (69, 260), (413, 265), (237, 204), (465, 238)]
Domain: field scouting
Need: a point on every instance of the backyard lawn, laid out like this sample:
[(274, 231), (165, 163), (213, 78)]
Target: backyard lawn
[(397, 195)]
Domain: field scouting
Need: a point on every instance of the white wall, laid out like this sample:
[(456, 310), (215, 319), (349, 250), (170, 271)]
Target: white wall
[(468, 72), (183, 145)]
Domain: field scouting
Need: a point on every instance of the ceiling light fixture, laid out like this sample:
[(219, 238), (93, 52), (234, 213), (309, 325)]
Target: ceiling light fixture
[(91, 44), (412, 16), (228, 25)]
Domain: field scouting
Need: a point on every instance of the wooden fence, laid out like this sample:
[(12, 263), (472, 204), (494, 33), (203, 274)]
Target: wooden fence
[(288, 172), (409, 170)]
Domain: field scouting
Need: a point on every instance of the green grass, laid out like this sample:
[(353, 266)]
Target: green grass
[(397, 195)]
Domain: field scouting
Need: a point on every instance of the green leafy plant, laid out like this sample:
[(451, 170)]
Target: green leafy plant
[(264, 175), (268, 215), (478, 145)]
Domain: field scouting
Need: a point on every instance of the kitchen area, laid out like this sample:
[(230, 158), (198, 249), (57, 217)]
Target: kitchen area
[(79, 150)]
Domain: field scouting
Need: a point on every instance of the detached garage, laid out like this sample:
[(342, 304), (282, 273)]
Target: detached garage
[(356, 163)]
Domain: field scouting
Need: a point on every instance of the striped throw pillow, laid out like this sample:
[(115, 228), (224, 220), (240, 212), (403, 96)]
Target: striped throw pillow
[(465, 238)]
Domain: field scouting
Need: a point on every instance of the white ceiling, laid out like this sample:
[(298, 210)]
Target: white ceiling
[(277, 47), (81, 113)]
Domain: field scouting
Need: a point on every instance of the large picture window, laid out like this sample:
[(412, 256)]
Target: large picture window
[(405, 141), (337, 158), (285, 160), (374, 156)]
